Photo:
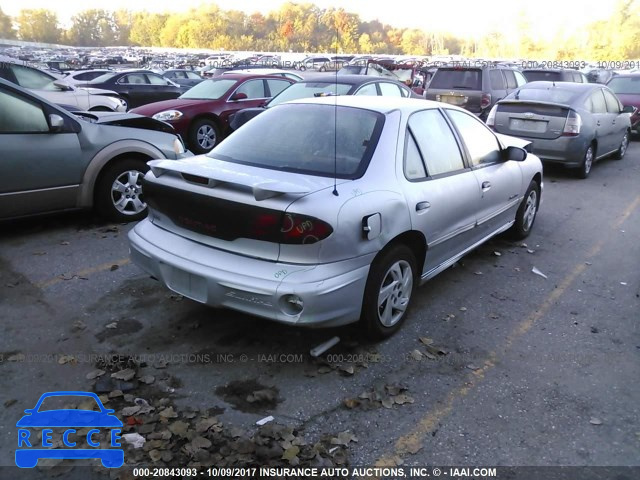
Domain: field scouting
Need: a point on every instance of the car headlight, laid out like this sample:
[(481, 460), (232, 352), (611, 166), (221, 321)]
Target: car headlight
[(168, 115), (178, 148)]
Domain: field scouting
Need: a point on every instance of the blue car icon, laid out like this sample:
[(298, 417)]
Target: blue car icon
[(70, 419)]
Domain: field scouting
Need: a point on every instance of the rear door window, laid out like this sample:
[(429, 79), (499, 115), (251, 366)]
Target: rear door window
[(510, 78), (613, 106), (369, 89), (389, 90), (496, 79), (436, 143), (520, 78), (276, 86), (134, 78), (598, 102), (252, 88)]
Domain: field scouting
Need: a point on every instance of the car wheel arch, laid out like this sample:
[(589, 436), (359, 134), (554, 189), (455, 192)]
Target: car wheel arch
[(107, 156), (416, 242)]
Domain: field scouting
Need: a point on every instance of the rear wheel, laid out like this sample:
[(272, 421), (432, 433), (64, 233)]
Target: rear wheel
[(388, 292), (587, 162), (126, 102), (526, 214), (203, 135), (623, 146), (118, 192)]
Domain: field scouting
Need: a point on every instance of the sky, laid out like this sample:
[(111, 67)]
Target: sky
[(463, 18)]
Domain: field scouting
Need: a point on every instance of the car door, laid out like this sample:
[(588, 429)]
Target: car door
[(500, 181), (603, 123), (498, 85), (442, 192), (40, 170), (137, 88), (618, 125), (256, 92), (159, 88)]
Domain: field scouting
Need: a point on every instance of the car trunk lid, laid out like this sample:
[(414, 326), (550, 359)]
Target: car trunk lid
[(240, 209), (531, 119), (457, 86)]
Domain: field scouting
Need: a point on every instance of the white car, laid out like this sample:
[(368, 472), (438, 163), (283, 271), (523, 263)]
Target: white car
[(57, 91), (84, 76)]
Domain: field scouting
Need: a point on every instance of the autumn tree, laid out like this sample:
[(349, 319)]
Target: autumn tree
[(93, 28), (6, 26), (38, 25)]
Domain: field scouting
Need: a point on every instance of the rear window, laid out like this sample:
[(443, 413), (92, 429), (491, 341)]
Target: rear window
[(551, 94), (302, 138), (625, 85), (310, 90), (466, 79), (541, 75)]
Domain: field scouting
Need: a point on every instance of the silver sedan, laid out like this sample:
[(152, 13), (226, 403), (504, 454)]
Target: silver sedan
[(330, 210), (573, 124)]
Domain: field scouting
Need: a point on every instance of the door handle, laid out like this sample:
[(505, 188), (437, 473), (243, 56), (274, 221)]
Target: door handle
[(422, 206), (486, 186)]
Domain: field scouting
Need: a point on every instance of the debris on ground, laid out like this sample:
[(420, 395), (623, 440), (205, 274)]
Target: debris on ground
[(595, 421), (380, 395), (265, 420), (323, 347), (538, 272)]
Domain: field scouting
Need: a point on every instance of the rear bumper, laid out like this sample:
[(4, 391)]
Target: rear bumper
[(331, 293), (568, 151)]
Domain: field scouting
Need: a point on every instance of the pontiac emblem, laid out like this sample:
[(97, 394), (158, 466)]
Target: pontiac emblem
[(529, 115)]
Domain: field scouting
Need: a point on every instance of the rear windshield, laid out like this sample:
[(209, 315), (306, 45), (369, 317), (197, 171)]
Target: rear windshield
[(465, 79), (310, 90), (209, 89), (625, 85), (550, 94), (541, 75), (301, 138)]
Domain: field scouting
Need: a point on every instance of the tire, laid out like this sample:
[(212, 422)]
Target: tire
[(395, 270), (624, 145), (527, 211), (584, 170), (323, 69), (118, 192), (203, 135), (127, 102)]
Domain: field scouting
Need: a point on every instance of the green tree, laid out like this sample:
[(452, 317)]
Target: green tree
[(6, 26), (38, 25), (93, 28)]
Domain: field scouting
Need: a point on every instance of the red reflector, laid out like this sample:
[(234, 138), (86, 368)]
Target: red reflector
[(195, 179)]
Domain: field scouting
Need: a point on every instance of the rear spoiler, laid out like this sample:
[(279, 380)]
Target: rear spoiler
[(208, 176), (534, 102)]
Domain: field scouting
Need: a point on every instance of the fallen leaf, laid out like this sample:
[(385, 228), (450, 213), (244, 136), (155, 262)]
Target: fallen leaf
[(595, 421), (497, 254), (114, 267), (344, 438), (478, 273), (205, 424), (155, 455), (147, 379), (414, 448), (63, 359), (416, 355), (471, 366), (290, 453), (116, 394), (111, 325), (351, 402), (126, 374), (530, 251), (65, 243), (134, 439), (403, 398), (179, 428), (168, 413), (130, 411), (426, 340), (463, 309), (201, 442), (94, 374), (388, 402), (264, 395), (10, 402), (347, 369)]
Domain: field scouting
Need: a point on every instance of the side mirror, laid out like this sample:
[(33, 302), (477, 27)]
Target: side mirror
[(56, 123), (516, 154), (629, 109), (65, 87), (238, 96)]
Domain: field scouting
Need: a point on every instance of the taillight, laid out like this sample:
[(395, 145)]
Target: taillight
[(572, 125), (491, 119), (290, 229), (485, 101)]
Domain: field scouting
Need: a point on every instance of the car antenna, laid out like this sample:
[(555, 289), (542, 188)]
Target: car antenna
[(335, 121)]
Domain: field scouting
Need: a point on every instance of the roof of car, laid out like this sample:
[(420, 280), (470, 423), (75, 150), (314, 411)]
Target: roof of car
[(380, 104), (348, 79), (579, 87)]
